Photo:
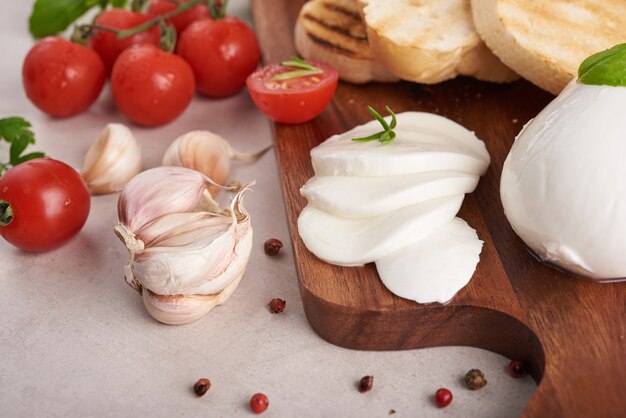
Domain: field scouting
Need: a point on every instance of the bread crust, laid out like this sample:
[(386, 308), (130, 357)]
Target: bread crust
[(545, 41), (332, 31), (429, 42)]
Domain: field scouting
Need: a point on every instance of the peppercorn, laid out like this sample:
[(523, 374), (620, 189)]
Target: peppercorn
[(277, 305), (259, 403), (365, 384), (516, 369), (443, 397), (273, 246), (475, 379), (202, 386)]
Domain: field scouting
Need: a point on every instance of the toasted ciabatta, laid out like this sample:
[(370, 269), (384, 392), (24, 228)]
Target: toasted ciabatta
[(430, 41), (545, 41), (332, 31)]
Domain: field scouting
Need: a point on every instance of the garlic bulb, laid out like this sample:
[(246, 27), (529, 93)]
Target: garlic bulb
[(186, 255), (112, 160), (207, 153)]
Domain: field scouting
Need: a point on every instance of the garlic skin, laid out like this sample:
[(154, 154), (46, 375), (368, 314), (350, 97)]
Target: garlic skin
[(207, 153), (112, 160), (184, 259)]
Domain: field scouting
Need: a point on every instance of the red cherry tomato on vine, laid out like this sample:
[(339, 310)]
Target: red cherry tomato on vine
[(294, 100), (222, 54), (150, 86), (62, 78), (48, 202), (106, 43), (180, 21)]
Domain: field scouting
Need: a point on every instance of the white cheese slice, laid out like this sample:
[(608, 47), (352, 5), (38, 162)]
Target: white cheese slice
[(362, 197), (355, 242), (435, 268), (424, 142)]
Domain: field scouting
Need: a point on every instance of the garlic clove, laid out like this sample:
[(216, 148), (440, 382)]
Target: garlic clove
[(161, 191), (112, 160), (207, 153)]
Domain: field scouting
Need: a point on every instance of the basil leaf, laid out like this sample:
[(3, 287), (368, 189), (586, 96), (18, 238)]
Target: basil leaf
[(50, 17), (18, 146), (606, 68)]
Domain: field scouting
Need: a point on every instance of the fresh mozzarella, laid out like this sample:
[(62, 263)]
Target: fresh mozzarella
[(362, 197), (424, 142), (354, 242), (563, 184), (435, 268)]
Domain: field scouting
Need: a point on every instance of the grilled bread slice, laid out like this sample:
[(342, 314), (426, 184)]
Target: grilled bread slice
[(429, 41), (332, 31), (545, 41)]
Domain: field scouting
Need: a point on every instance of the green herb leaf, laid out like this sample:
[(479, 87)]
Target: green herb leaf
[(297, 62), (606, 68), (387, 134), (50, 17), (16, 131)]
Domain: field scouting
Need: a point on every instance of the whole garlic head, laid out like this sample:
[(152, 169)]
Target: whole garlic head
[(186, 254), (112, 160), (207, 153)]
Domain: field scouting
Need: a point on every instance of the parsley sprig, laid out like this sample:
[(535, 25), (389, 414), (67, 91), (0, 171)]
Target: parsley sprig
[(303, 70), (16, 131), (387, 134)]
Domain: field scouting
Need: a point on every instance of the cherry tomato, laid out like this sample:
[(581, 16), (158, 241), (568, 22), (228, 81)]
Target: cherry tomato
[(106, 43), (62, 78), (294, 100), (222, 54), (49, 203), (151, 87), (180, 21)]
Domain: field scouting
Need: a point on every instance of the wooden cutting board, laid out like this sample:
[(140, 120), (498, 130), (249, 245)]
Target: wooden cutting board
[(569, 331)]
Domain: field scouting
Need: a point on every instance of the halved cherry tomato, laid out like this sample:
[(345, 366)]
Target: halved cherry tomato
[(150, 86), (62, 78), (294, 100), (49, 203), (106, 43), (180, 21), (222, 54)]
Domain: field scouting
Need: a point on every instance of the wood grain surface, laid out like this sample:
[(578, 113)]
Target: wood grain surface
[(569, 331)]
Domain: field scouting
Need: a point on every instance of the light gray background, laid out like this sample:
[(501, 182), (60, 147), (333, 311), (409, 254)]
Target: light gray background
[(75, 340)]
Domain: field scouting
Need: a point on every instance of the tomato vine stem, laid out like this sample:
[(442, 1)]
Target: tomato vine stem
[(6, 213)]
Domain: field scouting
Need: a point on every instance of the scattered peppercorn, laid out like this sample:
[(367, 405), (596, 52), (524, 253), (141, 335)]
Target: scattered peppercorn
[(443, 397), (365, 384), (202, 386), (392, 412), (516, 369), (475, 379), (273, 246), (259, 403), (277, 305)]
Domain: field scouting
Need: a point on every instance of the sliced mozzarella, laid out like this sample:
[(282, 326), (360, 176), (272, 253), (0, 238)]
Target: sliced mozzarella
[(424, 142), (354, 242), (362, 197), (435, 268)]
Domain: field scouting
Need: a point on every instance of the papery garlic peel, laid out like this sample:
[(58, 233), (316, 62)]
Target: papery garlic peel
[(112, 160), (207, 153), (184, 259)]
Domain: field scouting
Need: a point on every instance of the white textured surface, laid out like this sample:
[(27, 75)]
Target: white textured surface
[(76, 340)]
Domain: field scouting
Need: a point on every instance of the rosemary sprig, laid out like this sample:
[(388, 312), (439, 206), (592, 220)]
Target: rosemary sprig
[(303, 70), (387, 134)]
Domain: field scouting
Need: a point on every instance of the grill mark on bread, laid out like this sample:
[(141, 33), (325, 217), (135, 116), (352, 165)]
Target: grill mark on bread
[(336, 8), (338, 29), (329, 44)]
